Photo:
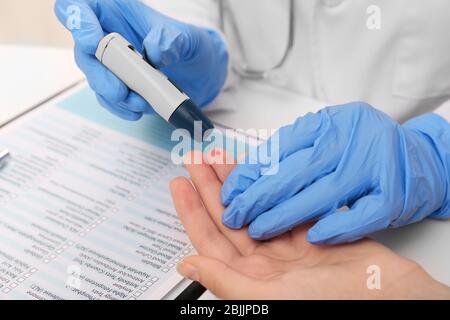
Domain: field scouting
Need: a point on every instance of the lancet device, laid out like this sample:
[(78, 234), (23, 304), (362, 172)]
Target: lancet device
[(173, 105)]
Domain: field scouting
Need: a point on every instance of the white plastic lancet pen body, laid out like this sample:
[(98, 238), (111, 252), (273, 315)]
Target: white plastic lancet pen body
[(174, 106)]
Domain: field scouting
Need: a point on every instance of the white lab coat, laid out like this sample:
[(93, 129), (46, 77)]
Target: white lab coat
[(403, 68)]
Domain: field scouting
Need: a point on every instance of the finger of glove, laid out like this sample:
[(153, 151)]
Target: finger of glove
[(168, 44), (288, 140), (318, 200), (130, 18), (79, 17), (369, 214), (118, 110), (101, 80), (135, 103), (296, 172)]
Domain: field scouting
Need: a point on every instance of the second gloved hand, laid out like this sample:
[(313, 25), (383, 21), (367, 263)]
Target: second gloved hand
[(196, 59), (351, 155)]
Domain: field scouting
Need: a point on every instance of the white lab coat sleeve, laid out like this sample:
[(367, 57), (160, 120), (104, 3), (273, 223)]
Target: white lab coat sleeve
[(202, 13), (444, 111)]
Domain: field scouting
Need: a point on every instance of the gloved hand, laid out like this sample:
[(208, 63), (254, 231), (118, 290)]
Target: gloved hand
[(196, 59), (351, 155)]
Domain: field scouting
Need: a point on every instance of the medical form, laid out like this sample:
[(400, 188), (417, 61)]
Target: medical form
[(85, 207)]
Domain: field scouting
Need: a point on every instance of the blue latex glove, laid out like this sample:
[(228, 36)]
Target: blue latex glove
[(196, 59), (351, 155)]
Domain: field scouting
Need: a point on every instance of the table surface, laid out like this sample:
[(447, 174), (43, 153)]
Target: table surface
[(31, 75)]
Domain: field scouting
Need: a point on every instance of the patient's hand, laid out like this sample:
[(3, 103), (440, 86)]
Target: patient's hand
[(233, 266)]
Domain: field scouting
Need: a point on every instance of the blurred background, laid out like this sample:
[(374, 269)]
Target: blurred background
[(31, 22), (36, 56)]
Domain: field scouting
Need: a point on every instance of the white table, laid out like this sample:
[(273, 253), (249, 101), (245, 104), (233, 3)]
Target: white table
[(29, 75), (32, 74)]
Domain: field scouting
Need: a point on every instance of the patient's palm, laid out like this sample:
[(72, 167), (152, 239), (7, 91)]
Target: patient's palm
[(284, 267)]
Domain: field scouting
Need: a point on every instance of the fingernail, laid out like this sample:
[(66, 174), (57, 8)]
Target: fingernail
[(188, 270)]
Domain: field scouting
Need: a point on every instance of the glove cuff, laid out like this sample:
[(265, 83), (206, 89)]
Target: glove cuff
[(437, 131)]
